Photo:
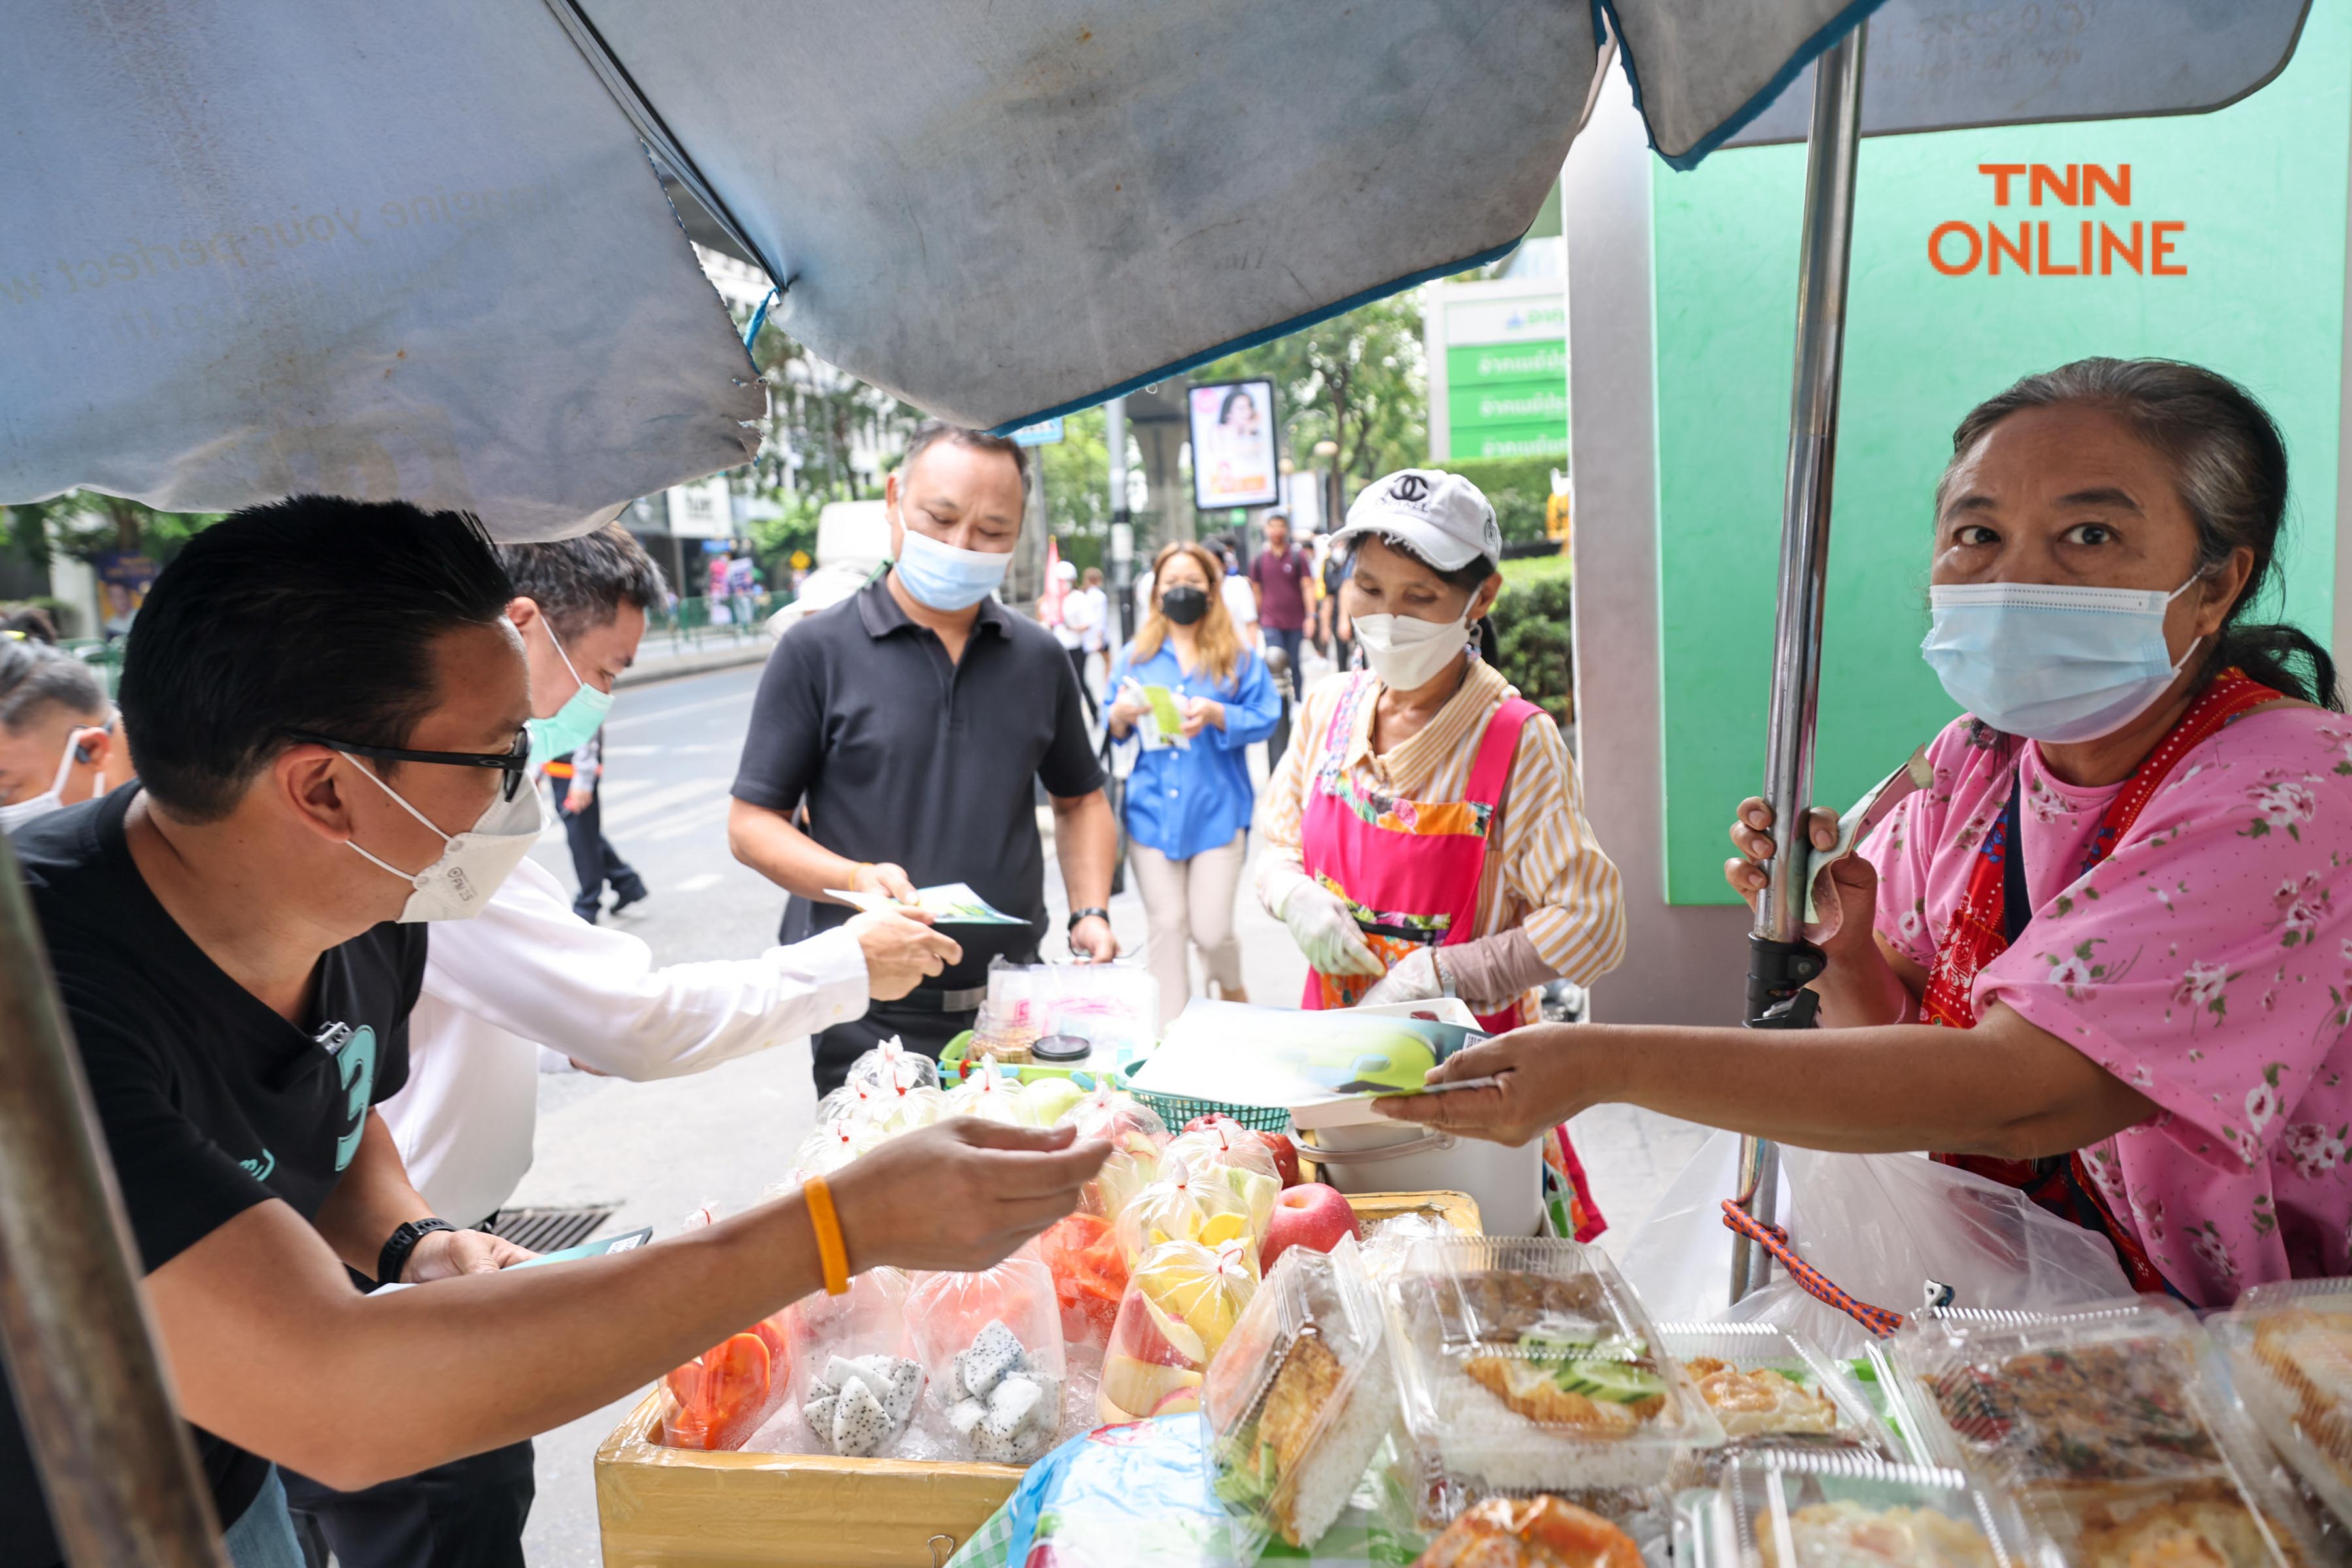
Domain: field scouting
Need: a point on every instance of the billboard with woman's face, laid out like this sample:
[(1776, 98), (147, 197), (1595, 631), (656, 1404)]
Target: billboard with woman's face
[(1233, 446)]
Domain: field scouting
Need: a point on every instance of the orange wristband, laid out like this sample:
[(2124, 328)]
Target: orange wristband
[(832, 1253)]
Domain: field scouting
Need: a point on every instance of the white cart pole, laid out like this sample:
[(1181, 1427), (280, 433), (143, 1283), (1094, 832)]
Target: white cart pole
[(1780, 961)]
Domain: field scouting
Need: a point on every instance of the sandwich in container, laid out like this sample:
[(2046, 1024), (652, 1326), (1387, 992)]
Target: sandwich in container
[(2289, 1347), (1830, 1508)]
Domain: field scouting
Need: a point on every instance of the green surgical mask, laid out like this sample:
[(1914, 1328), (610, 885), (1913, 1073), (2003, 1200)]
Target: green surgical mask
[(571, 726)]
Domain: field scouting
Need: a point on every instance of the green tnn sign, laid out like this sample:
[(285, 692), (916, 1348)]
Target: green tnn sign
[(1504, 368)]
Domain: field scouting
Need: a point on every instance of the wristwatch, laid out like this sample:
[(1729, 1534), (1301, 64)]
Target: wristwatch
[(1077, 915), (393, 1258)]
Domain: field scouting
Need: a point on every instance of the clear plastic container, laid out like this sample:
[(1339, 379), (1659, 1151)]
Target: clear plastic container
[(1298, 1399), (1526, 1364), (2289, 1347), (1113, 1008), (1772, 1389), (1831, 1510), (2115, 1428)]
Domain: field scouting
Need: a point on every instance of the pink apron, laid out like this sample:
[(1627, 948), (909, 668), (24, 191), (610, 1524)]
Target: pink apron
[(1409, 871)]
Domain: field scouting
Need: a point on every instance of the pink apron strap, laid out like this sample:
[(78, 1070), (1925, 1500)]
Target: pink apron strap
[(1493, 767)]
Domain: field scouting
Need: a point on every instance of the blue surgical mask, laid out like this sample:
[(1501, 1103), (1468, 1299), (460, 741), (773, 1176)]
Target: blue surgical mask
[(572, 726), (2051, 662), (945, 577)]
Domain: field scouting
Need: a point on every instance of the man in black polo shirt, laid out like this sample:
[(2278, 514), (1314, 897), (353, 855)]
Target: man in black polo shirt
[(329, 700), (915, 722)]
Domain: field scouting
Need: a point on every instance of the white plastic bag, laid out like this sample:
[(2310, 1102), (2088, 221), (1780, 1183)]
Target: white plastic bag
[(1880, 1226)]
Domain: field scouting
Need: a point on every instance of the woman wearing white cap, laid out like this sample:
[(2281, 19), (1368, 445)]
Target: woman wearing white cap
[(1425, 837)]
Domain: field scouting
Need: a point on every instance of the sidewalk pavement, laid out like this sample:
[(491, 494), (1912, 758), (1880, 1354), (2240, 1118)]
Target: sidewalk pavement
[(664, 656)]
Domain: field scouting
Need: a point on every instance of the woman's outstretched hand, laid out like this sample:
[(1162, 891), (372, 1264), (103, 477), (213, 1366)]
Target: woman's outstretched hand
[(1545, 1074)]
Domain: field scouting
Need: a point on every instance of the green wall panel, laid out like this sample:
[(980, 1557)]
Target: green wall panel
[(2260, 190)]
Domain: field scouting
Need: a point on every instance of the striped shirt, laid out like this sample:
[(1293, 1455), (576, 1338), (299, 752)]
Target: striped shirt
[(1545, 873)]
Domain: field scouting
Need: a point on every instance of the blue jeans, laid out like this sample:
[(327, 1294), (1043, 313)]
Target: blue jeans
[(263, 1536), (1287, 639)]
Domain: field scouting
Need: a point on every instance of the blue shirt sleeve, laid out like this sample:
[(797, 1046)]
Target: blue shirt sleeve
[(1251, 711)]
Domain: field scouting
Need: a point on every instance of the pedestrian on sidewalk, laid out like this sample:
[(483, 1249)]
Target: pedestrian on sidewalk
[(916, 719), (1098, 627), (1072, 621), (1280, 578), (1188, 807), (329, 699), (577, 783)]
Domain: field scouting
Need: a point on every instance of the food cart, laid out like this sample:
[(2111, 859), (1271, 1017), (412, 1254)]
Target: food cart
[(426, 255)]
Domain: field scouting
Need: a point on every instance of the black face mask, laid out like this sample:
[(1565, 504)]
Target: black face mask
[(1184, 605)]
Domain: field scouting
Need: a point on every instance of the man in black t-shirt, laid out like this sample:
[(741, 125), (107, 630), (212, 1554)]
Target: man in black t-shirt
[(327, 703), (916, 720)]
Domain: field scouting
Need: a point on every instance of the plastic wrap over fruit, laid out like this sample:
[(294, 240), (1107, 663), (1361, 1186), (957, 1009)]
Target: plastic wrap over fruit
[(1135, 1135), (861, 1383), (1218, 1204), (891, 1064), (992, 1342), (1089, 1276), (988, 1094), (721, 1396), (1181, 1302), (1220, 1141)]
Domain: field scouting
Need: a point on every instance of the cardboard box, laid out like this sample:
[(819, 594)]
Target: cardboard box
[(680, 1508)]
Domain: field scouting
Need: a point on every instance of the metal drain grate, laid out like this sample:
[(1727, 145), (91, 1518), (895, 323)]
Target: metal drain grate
[(550, 1230)]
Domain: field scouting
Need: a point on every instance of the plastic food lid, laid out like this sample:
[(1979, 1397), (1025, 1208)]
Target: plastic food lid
[(1827, 1510), (1775, 1389), (1061, 1048), (2289, 1347), (1528, 1363), (2114, 1425), (1298, 1399)]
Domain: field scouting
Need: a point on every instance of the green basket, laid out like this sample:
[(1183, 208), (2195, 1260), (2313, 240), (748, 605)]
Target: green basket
[(957, 1059), (1176, 1111)]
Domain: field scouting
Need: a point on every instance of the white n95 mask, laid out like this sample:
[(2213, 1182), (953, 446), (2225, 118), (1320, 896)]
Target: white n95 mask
[(1406, 651), (471, 864), (2050, 662)]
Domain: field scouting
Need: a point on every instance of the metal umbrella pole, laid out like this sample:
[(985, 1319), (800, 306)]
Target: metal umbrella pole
[(120, 1473), (1780, 960)]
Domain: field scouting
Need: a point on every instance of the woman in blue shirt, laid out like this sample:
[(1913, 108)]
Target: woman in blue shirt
[(1188, 804)]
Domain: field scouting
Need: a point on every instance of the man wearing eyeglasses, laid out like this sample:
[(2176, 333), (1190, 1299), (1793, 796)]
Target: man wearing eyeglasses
[(329, 701)]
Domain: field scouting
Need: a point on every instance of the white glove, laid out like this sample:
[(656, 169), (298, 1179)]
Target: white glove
[(1414, 979), (1325, 931)]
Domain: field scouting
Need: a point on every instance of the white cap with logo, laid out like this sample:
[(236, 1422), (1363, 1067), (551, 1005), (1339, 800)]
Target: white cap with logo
[(1440, 516)]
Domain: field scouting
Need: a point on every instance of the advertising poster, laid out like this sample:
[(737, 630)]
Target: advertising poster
[(1233, 446)]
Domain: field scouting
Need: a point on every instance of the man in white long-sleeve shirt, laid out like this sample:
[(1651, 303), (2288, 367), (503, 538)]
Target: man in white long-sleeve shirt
[(527, 972)]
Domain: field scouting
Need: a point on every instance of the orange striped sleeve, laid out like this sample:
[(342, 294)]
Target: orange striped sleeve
[(1553, 866)]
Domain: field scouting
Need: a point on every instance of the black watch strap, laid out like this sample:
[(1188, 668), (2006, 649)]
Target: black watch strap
[(393, 1260), (1077, 915)]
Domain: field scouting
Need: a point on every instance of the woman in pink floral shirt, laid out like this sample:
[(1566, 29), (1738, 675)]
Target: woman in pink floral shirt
[(2126, 875)]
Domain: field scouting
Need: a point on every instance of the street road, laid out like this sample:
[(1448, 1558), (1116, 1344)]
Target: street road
[(658, 1151)]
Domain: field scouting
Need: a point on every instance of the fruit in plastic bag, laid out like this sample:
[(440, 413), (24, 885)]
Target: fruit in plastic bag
[(1089, 1276), (829, 1148), (992, 1342), (722, 1396), (1279, 1145), (891, 1064), (1135, 1135), (1181, 1302), (1222, 1203), (987, 1094)]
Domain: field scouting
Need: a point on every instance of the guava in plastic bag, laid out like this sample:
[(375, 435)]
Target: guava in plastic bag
[(1137, 1137), (1228, 1143), (1220, 1203), (723, 1395), (990, 1095), (992, 1344), (891, 1064), (1181, 1302)]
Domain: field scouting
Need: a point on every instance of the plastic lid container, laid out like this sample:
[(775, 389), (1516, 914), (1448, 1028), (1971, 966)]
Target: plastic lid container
[(1772, 1389), (1526, 1364), (1298, 1399), (2114, 1426), (2289, 1347), (1831, 1510)]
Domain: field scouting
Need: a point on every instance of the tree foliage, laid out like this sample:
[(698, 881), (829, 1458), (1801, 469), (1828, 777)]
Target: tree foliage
[(85, 524), (1357, 379)]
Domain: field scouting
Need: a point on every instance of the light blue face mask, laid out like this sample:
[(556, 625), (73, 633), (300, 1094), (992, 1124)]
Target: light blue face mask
[(2049, 662), (570, 727), (945, 577)]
